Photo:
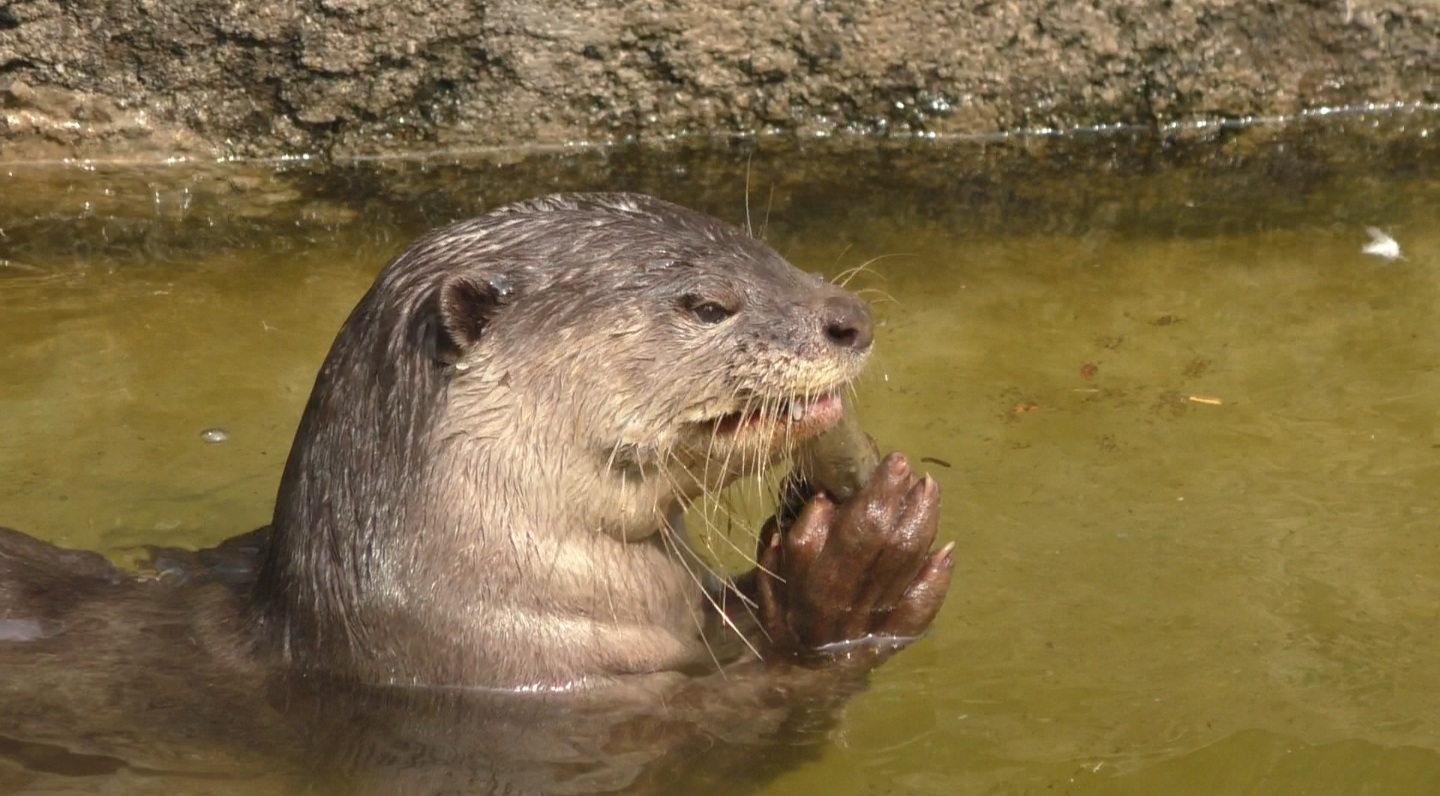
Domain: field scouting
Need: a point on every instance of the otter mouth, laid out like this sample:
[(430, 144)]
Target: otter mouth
[(794, 418)]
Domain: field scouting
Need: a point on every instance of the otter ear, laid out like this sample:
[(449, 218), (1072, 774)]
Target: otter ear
[(457, 312)]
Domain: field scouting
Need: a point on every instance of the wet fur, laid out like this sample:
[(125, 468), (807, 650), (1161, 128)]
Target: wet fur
[(486, 484), (484, 492)]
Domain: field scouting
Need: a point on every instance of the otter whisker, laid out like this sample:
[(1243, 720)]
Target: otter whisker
[(689, 562), (746, 409), (749, 230), (877, 294), (681, 554), (769, 203), (725, 531), (844, 278), (711, 509)]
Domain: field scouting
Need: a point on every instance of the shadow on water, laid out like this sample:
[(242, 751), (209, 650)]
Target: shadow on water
[(1186, 429)]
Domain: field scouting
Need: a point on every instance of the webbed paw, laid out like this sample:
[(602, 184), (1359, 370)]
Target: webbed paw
[(861, 574)]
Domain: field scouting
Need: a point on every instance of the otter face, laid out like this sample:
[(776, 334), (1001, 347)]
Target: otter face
[(662, 342), (767, 350)]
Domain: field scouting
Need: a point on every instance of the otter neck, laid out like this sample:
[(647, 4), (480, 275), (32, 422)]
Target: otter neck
[(569, 570), (523, 560)]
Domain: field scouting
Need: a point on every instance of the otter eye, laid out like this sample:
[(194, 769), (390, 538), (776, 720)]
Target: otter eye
[(709, 312)]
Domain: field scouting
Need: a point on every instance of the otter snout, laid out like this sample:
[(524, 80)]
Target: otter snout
[(846, 320)]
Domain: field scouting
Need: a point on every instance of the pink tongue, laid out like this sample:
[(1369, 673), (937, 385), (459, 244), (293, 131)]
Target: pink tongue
[(827, 405)]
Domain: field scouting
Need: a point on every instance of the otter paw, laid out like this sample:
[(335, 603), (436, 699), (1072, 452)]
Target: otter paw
[(841, 576)]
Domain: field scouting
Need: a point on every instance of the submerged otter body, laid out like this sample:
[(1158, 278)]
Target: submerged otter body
[(485, 492)]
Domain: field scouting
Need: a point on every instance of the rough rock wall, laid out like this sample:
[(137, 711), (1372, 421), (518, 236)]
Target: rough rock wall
[(346, 77)]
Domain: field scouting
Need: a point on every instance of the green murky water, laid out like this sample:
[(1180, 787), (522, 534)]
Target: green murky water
[(1186, 430)]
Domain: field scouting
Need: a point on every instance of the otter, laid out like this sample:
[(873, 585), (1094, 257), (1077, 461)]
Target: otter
[(487, 484), (487, 487)]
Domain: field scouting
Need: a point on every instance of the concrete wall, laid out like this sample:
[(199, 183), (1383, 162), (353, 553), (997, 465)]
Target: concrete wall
[(149, 78)]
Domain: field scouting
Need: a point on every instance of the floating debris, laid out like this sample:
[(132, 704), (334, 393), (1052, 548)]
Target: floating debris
[(1023, 408), (1203, 399), (214, 435), (1382, 245)]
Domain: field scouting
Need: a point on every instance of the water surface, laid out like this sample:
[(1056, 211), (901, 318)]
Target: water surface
[(1185, 429)]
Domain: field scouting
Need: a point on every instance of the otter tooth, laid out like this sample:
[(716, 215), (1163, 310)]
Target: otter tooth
[(797, 411)]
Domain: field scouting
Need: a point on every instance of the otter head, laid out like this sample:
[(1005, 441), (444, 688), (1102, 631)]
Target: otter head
[(571, 367), (660, 351)]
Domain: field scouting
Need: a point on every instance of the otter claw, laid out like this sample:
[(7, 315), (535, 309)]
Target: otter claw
[(859, 574)]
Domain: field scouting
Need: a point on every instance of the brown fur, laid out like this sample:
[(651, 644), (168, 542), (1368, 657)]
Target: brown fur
[(486, 485), (485, 491)]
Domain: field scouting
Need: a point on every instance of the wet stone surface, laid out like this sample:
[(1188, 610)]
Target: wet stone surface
[(134, 79)]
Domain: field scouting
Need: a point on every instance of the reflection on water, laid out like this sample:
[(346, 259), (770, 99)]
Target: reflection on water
[(1186, 429)]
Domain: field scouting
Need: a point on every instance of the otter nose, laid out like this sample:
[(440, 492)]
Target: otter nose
[(847, 322)]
